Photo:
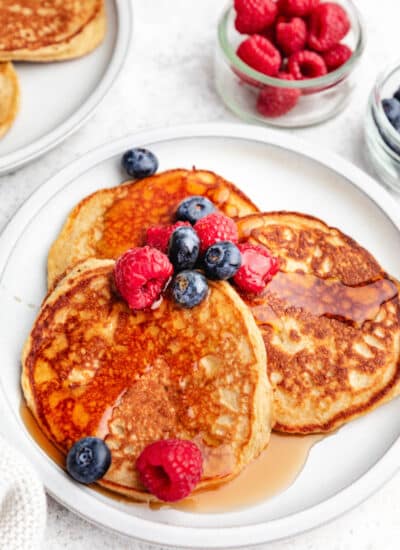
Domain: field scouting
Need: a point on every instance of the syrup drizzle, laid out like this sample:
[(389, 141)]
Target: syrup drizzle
[(326, 297)]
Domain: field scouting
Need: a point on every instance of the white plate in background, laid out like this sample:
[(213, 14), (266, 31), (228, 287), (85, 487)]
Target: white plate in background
[(58, 97), (278, 173)]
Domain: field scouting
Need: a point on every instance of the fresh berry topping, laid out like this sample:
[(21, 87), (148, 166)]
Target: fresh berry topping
[(158, 236), (291, 35), (140, 276), (88, 460), (336, 56), (306, 64), (258, 268), (392, 111), (183, 248), (254, 15), (189, 288), (298, 8), (273, 101), (396, 95), (329, 23), (139, 163), (222, 260), (260, 54), (194, 208), (170, 469), (215, 228)]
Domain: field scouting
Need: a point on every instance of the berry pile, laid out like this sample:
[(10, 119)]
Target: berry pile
[(391, 106), (291, 40), (201, 245)]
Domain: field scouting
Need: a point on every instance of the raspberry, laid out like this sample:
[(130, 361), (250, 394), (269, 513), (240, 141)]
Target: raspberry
[(291, 35), (298, 8), (306, 64), (329, 23), (254, 15), (257, 269), (215, 228), (258, 52), (140, 276), (336, 56), (273, 101), (170, 469), (158, 236)]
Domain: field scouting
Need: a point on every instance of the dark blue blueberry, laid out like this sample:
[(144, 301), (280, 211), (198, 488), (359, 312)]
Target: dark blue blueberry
[(396, 94), (392, 110), (222, 260), (194, 208), (183, 248), (88, 459), (189, 288), (139, 163)]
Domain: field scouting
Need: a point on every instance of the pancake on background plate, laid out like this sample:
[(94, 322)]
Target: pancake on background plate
[(330, 321), (108, 222), (92, 366), (9, 96), (39, 30)]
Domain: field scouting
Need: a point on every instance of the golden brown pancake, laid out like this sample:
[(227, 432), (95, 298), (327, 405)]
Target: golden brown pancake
[(39, 30), (108, 222), (9, 96), (330, 323), (92, 366)]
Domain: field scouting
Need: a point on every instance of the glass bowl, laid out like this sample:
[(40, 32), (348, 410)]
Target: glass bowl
[(383, 140), (321, 98)]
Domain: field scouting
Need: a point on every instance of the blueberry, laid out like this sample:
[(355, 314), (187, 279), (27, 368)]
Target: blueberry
[(396, 94), (189, 288), (183, 248), (88, 459), (194, 208), (140, 163), (222, 260), (392, 111)]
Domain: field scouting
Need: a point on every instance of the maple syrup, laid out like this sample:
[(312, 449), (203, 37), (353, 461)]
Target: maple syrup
[(326, 297), (272, 472)]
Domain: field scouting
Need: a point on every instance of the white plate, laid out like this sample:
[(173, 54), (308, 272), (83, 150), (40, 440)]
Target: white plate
[(278, 173), (57, 98)]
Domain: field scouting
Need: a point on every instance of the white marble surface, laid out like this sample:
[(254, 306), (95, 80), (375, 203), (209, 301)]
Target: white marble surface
[(168, 81)]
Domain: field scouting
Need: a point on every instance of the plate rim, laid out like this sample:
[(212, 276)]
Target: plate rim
[(10, 162), (183, 536)]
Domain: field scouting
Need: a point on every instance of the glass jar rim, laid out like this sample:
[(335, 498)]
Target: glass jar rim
[(379, 114), (310, 83)]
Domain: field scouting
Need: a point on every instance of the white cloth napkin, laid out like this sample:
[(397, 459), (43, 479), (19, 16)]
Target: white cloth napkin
[(22, 502)]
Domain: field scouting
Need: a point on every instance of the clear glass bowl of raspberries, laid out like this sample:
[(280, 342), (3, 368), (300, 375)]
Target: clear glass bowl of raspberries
[(382, 126), (288, 63)]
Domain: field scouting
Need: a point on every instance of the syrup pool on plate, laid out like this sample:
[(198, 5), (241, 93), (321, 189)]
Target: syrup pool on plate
[(272, 472)]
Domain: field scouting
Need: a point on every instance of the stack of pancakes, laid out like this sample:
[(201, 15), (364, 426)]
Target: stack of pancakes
[(42, 31), (318, 348)]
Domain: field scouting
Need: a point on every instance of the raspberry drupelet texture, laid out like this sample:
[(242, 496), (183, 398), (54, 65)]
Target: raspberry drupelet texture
[(328, 24), (140, 276), (253, 16), (215, 228), (170, 469), (291, 34), (306, 64), (260, 54), (337, 56), (298, 8), (257, 269)]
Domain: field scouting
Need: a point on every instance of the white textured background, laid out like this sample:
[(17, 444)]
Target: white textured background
[(167, 81)]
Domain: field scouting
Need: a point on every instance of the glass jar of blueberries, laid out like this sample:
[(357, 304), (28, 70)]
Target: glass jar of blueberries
[(289, 67), (382, 127)]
